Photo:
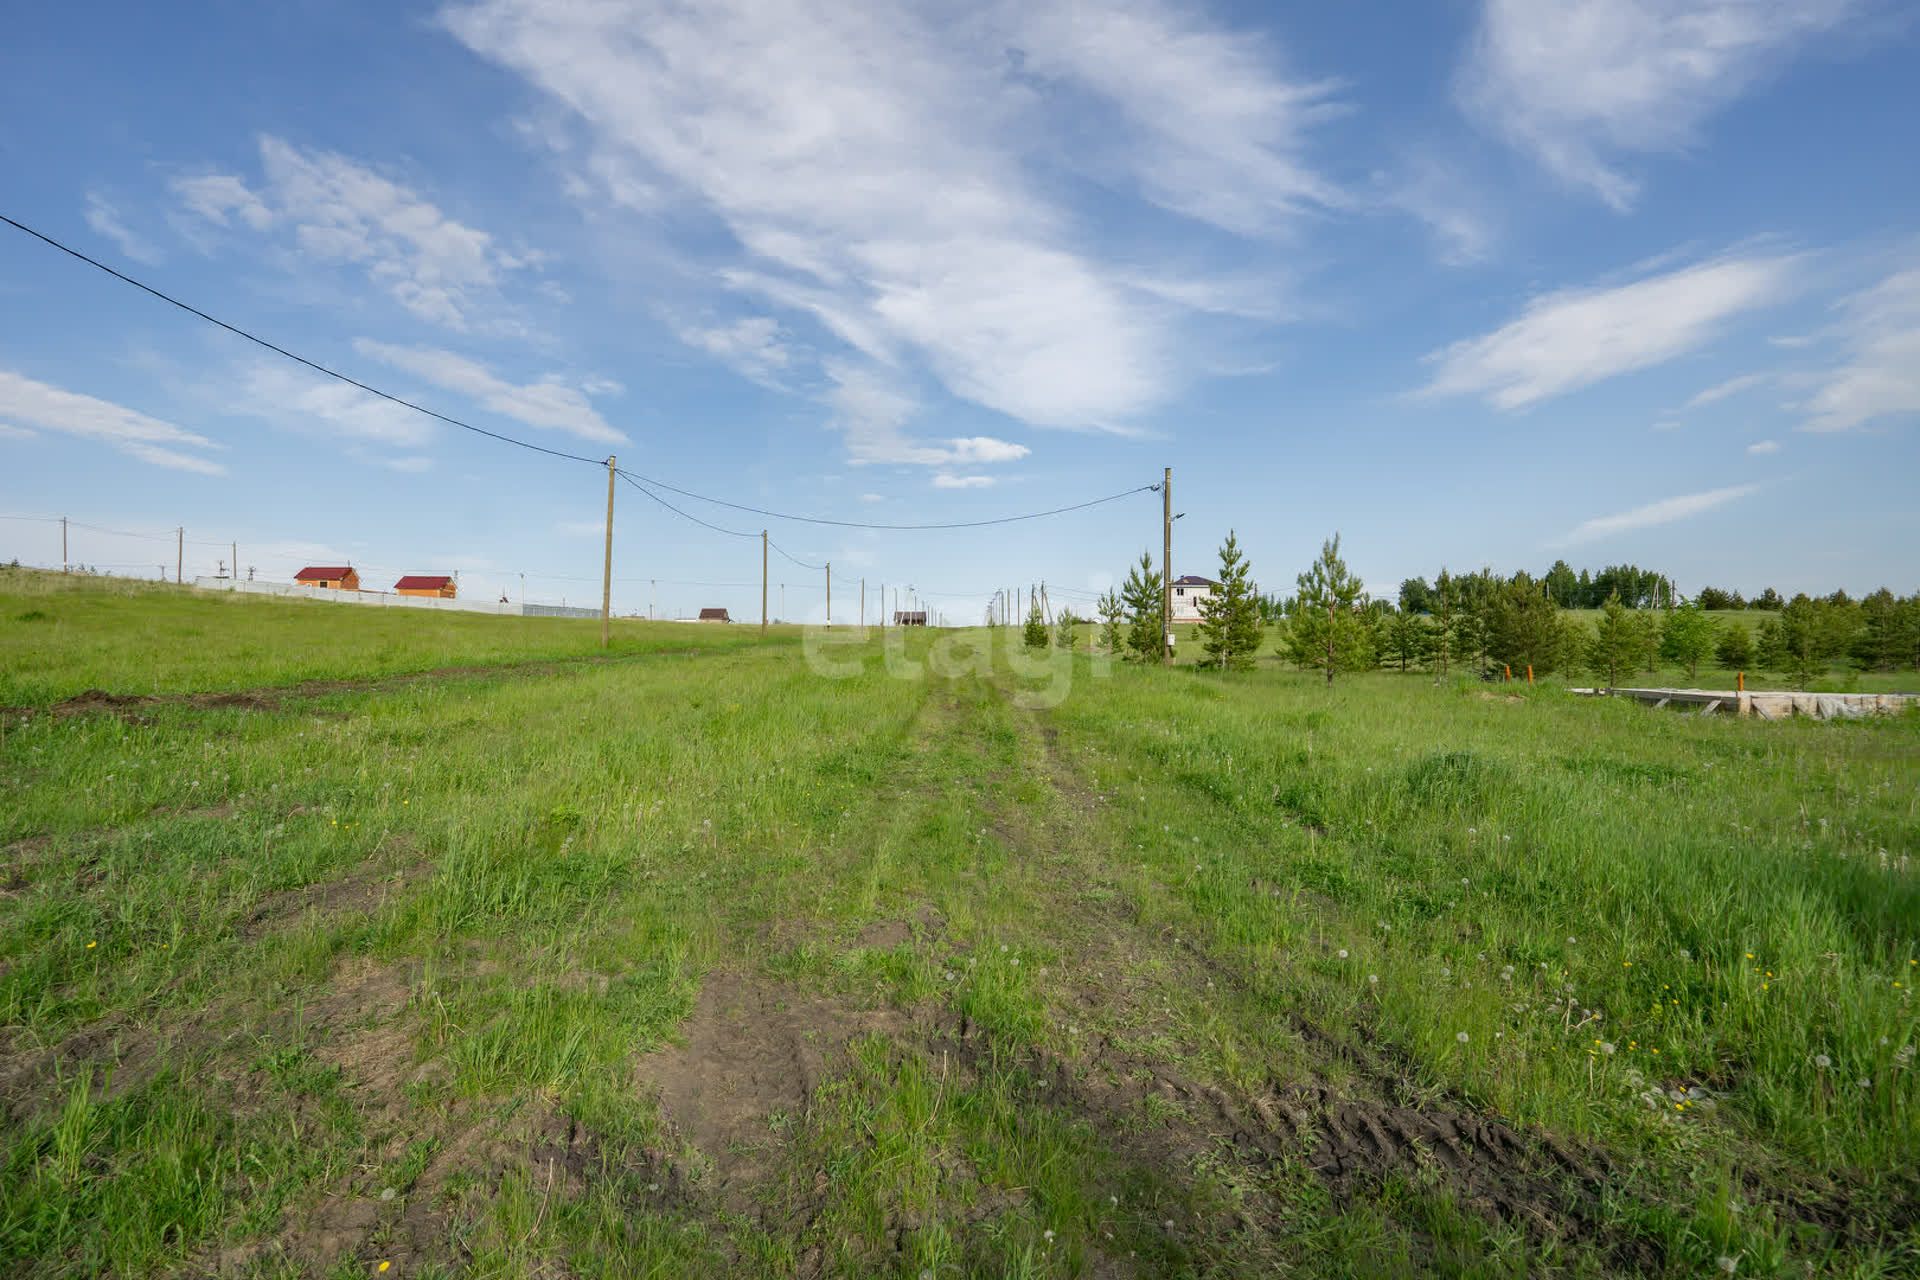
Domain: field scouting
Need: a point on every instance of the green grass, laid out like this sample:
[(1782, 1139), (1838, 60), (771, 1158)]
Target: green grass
[(1031, 982)]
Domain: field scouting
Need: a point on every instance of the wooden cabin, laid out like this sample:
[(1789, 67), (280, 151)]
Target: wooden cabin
[(438, 585), (910, 617), (333, 577), (714, 615)]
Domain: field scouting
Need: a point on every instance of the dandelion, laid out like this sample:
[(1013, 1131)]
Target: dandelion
[(1462, 1037), (1343, 953), (1685, 954), (1726, 1264), (1470, 831), (1373, 979), (385, 1265), (1822, 1061), (92, 945), (1606, 1047), (1445, 972), (1865, 1082), (1047, 1236)]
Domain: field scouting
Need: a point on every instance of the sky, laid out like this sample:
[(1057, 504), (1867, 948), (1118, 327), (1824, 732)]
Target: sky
[(1471, 284)]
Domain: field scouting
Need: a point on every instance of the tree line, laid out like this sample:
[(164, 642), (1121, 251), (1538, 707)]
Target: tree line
[(1491, 624)]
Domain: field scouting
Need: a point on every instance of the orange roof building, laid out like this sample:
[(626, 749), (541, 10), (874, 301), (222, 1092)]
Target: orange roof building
[(427, 584)]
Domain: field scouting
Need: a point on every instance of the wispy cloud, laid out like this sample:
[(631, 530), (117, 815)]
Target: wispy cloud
[(50, 408), (1731, 387), (1665, 511), (944, 480), (751, 344), (300, 401), (104, 218), (1577, 337), (338, 212), (548, 405), (1880, 376), (872, 412), (871, 498), (1760, 448), (891, 172), (1579, 83)]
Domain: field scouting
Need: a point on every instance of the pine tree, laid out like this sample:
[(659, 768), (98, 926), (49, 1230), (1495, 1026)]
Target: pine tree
[(1408, 638), (1230, 622), (1036, 631), (1326, 632), (1614, 642), (1142, 594), (1446, 619), (1063, 629), (1111, 612), (1688, 636)]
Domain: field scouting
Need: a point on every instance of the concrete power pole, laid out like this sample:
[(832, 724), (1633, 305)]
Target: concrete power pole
[(63, 544), (829, 595), (763, 584), (1166, 568), (863, 604), (179, 552), (606, 572)]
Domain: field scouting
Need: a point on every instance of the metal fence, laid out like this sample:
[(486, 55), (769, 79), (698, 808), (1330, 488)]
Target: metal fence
[(389, 600)]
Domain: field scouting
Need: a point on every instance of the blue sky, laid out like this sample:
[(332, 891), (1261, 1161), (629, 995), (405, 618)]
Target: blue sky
[(1472, 283)]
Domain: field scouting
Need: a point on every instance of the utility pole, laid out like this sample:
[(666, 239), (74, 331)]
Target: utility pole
[(829, 595), (1166, 569), (863, 604), (523, 594), (883, 604), (606, 573), (783, 602), (63, 544), (653, 589), (179, 552), (763, 584), (235, 548)]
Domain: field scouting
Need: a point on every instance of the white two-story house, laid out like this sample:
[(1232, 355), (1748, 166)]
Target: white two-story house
[(1188, 592)]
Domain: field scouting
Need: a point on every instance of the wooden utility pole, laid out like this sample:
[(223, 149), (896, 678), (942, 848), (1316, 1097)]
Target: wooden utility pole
[(883, 604), (863, 604), (763, 584), (63, 544), (606, 571), (179, 552), (235, 548), (1166, 569), (829, 595)]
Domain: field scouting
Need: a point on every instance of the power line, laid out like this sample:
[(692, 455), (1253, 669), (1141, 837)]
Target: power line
[(866, 524), (298, 359), (735, 533), (632, 477), (796, 559)]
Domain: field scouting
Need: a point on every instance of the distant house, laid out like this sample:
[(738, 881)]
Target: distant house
[(1188, 592), (714, 615), (334, 577), (439, 585), (909, 617)]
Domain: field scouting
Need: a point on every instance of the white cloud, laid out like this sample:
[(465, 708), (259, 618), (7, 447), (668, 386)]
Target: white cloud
[(1762, 447), (340, 212), (1881, 375), (872, 412), (1579, 82), (1665, 511), (548, 405), (871, 498), (1578, 337), (213, 196), (1731, 387), (944, 480), (751, 344), (132, 433), (890, 171), (105, 219), (974, 449), (10, 432), (285, 396)]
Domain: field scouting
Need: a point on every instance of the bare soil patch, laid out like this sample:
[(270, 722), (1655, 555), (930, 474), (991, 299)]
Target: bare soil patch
[(754, 1053)]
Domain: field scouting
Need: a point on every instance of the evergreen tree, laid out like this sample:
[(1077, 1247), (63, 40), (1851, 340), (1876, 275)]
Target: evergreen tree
[(1146, 634), (1063, 629), (1230, 625), (1325, 631), (1416, 596), (1445, 623), (1111, 612), (1524, 628), (1768, 599), (1734, 652), (1036, 630), (1688, 636), (1614, 642), (1646, 635), (1408, 639)]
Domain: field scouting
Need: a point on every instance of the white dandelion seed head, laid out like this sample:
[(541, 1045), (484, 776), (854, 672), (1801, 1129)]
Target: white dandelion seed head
[(1343, 953), (1822, 1061), (1462, 1037), (1373, 979)]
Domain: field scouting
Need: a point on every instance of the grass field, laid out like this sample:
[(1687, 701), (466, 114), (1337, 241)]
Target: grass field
[(696, 959)]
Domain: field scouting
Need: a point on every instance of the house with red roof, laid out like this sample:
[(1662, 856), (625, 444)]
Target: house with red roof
[(340, 577), (439, 585)]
